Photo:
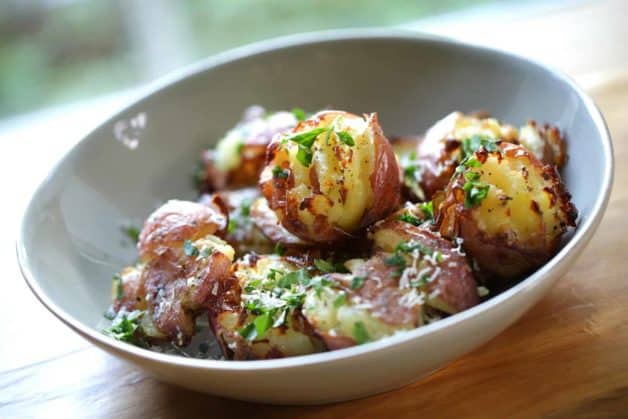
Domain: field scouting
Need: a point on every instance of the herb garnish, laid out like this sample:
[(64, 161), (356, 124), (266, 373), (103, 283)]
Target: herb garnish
[(279, 173), (472, 144), (132, 233), (189, 249), (324, 266), (427, 208), (474, 190), (410, 219), (360, 334), (357, 282), (340, 300), (279, 249), (299, 114), (125, 325), (412, 174)]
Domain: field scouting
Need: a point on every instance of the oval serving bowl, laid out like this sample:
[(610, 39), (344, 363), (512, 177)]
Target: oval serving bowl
[(70, 239)]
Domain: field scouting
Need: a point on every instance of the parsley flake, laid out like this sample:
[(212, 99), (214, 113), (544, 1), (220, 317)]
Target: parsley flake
[(345, 138), (132, 233), (360, 334), (125, 325), (299, 114), (189, 249), (357, 282), (324, 266), (410, 219), (279, 173)]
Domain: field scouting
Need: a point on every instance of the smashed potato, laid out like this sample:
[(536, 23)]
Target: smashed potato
[(332, 175), (457, 135), (258, 316), (239, 157), (508, 208), (181, 261)]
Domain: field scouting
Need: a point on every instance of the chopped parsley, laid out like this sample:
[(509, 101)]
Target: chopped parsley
[(273, 297), (475, 142), (410, 219), (279, 249), (357, 282), (132, 233), (279, 173), (340, 300), (345, 138), (474, 190), (125, 326), (427, 208), (324, 266), (299, 114), (189, 249), (396, 260), (206, 252), (360, 334), (231, 227), (305, 141), (117, 287)]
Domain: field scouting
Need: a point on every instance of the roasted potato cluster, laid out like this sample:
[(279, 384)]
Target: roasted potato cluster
[(331, 176), (302, 241)]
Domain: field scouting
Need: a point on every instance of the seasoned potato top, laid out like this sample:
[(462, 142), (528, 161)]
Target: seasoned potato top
[(323, 179), (176, 221), (509, 208)]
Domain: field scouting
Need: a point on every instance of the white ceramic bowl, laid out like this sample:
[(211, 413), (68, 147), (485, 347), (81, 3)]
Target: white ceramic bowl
[(69, 243)]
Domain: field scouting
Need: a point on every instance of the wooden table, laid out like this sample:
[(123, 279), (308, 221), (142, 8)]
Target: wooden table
[(566, 358)]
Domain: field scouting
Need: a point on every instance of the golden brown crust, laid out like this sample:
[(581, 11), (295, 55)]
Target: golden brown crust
[(290, 206), (504, 246), (176, 221)]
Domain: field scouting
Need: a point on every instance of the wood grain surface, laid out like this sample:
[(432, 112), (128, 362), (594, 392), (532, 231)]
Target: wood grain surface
[(566, 358)]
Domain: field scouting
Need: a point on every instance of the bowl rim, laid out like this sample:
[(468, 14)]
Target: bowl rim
[(576, 243)]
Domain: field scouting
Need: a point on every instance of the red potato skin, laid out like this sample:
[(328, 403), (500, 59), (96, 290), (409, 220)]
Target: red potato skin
[(177, 221), (497, 257), (385, 181), (253, 155), (456, 284), (173, 303)]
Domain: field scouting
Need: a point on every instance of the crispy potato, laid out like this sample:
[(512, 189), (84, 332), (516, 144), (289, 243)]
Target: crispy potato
[(444, 147), (181, 260), (414, 277), (239, 157), (508, 208), (331, 176), (457, 289), (176, 221), (257, 314)]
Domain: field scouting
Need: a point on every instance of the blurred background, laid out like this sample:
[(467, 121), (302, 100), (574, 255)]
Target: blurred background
[(58, 51)]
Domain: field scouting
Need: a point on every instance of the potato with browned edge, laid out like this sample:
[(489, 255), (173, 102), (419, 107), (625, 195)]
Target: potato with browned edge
[(414, 277), (256, 312), (331, 176), (239, 156), (509, 209), (181, 261), (457, 135)]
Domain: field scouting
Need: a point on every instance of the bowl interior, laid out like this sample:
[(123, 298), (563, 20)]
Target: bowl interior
[(71, 239)]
